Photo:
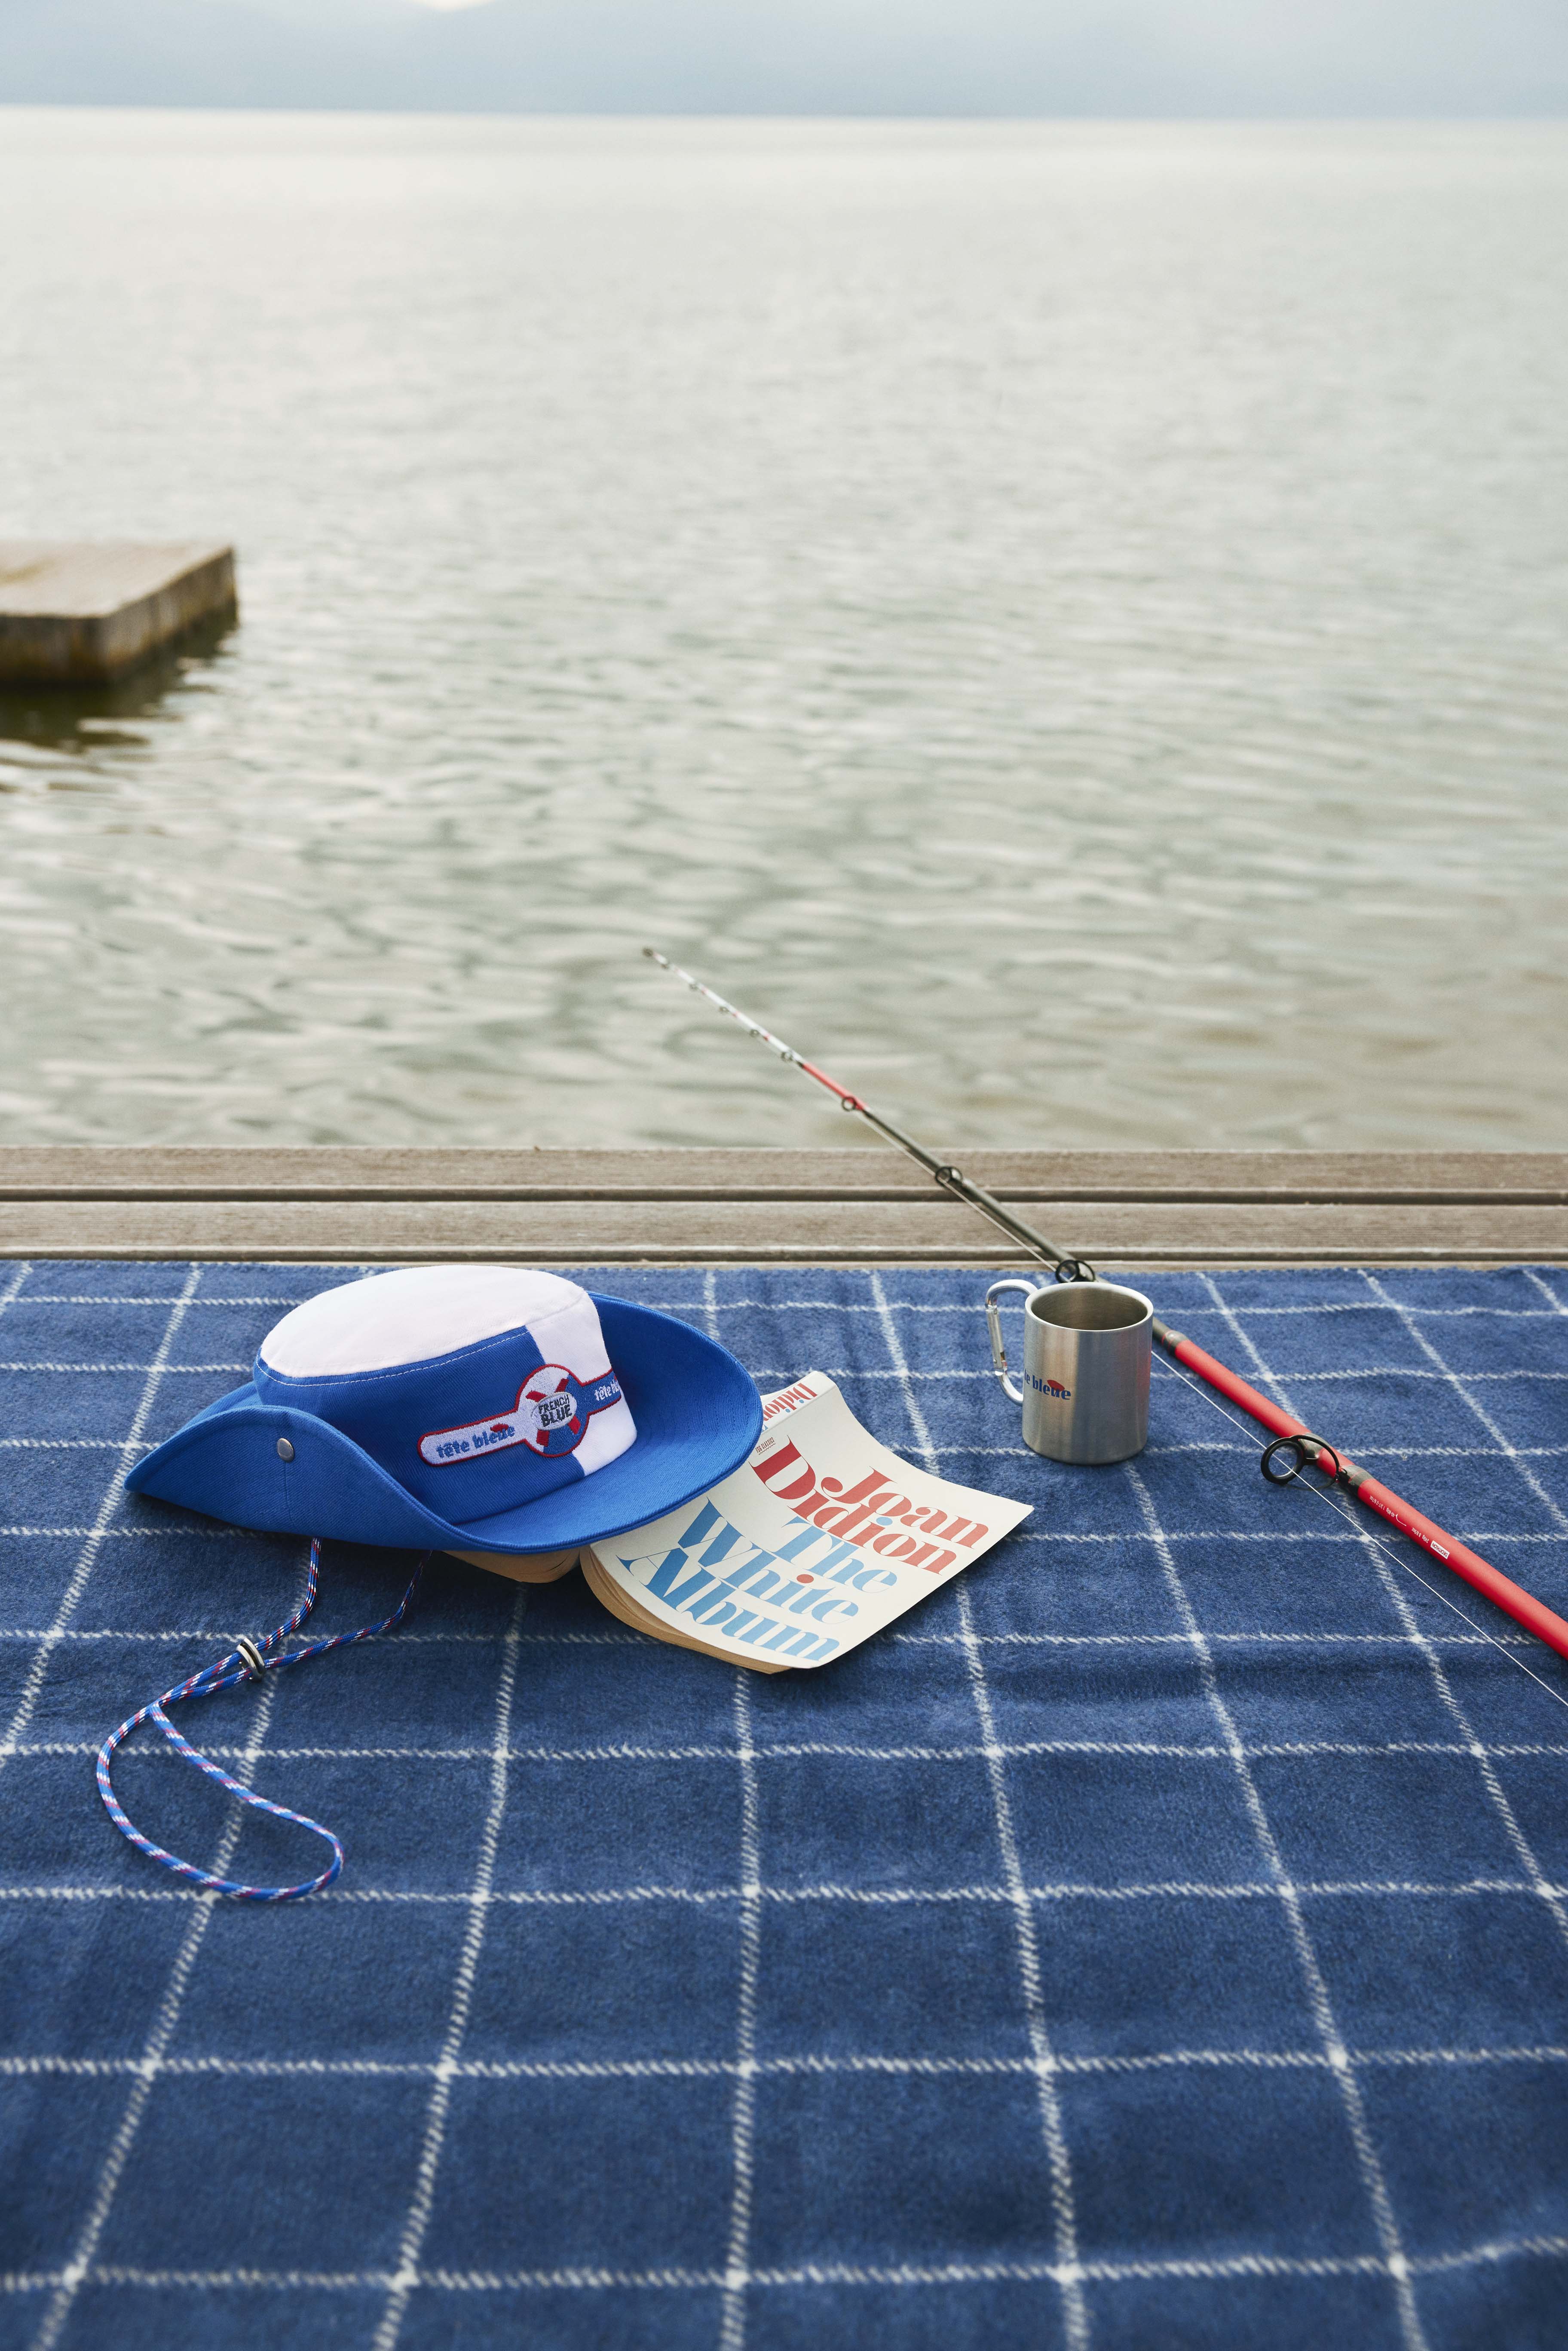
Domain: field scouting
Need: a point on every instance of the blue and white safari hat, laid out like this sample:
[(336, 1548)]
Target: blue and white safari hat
[(476, 1408)]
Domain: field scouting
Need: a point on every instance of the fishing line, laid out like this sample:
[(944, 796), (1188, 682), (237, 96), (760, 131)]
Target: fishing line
[(1365, 1534)]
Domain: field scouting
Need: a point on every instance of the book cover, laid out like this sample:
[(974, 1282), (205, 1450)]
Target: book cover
[(821, 1539)]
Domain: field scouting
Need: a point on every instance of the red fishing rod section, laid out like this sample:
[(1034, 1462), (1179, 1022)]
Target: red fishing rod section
[(1289, 1435), (1510, 1597)]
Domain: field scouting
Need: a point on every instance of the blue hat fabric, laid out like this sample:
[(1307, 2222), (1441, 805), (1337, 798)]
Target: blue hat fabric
[(478, 1408)]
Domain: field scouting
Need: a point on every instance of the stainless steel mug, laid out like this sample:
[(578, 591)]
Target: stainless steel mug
[(1086, 1350)]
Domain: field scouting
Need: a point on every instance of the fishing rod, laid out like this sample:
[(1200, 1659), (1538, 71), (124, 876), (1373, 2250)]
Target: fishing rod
[(1293, 1443)]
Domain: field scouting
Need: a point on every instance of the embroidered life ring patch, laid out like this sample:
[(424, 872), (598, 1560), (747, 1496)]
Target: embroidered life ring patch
[(550, 1417)]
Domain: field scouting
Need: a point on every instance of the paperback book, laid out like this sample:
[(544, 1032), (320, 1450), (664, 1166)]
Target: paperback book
[(821, 1539)]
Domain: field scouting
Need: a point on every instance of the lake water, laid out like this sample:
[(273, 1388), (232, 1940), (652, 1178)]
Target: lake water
[(1067, 623)]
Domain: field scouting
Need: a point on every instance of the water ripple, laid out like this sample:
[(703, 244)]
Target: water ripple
[(1066, 623)]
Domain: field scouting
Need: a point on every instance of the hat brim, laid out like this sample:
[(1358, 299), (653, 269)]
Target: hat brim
[(697, 1412)]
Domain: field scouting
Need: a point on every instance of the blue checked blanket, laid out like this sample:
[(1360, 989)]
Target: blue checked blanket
[(1159, 1939)]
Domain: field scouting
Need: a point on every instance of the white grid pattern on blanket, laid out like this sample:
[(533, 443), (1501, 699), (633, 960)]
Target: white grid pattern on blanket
[(1068, 2271)]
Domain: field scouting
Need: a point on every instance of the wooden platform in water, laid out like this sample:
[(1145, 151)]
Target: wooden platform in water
[(78, 615), (851, 1208)]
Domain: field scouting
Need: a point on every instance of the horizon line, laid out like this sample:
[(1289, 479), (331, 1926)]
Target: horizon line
[(1305, 120)]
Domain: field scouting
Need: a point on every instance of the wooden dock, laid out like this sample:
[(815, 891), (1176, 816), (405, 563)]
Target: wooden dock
[(79, 615), (726, 1208)]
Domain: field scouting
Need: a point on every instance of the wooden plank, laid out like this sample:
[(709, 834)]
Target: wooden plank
[(74, 614), (85, 1172), (842, 1206), (927, 1229)]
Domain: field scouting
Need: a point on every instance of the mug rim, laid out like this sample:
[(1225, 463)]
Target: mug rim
[(1033, 1305)]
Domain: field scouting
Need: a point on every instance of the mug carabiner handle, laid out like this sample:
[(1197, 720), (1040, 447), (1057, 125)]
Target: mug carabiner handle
[(994, 1324)]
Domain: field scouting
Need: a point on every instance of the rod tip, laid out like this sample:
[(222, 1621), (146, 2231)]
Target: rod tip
[(653, 954)]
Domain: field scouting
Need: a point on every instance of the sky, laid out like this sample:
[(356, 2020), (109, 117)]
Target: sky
[(940, 58)]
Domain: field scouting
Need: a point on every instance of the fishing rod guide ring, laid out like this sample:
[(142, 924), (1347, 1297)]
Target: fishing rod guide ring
[(1298, 1446)]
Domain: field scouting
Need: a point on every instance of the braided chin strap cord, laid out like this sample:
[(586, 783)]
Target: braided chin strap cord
[(248, 1661)]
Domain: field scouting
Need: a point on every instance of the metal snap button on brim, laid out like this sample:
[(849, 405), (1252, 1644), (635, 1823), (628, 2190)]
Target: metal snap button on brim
[(285, 1450)]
